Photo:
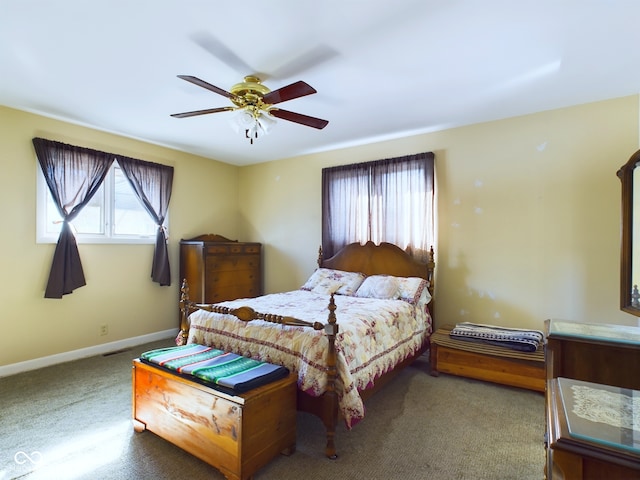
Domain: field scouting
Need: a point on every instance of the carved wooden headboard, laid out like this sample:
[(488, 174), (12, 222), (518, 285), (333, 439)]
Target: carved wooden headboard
[(382, 259)]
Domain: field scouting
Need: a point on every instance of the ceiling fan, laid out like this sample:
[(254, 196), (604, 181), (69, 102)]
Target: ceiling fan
[(254, 103)]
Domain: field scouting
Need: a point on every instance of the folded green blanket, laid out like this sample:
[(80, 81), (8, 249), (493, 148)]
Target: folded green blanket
[(214, 367)]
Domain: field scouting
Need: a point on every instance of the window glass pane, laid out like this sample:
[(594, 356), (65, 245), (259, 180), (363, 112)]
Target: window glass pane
[(130, 217), (90, 220)]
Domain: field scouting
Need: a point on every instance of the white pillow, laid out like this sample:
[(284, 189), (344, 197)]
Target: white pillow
[(379, 286)]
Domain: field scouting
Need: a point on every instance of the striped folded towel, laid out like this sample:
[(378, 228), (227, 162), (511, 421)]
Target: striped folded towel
[(215, 368), (515, 338)]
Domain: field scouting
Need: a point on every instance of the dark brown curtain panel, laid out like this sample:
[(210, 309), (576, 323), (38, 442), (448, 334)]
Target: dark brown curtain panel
[(390, 200), (73, 175), (345, 216), (152, 184)]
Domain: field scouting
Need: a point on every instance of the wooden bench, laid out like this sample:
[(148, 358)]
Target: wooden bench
[(486, 362), (237, 434)]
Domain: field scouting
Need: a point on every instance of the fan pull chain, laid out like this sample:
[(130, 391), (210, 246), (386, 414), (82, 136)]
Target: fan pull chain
[(246, 134)]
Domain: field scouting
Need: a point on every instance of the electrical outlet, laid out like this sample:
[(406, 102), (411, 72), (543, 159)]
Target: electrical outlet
[(104, 330)]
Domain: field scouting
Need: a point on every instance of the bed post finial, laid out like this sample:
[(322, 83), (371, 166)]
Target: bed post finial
[(431, 266), (331, 400), (320, 256), (181, 339)]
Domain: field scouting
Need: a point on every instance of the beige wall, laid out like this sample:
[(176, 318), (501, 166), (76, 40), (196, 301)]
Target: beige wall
[(119, 291), (528, 214)]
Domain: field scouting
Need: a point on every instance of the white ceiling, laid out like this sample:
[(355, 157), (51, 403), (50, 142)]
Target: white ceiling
[(383, 68)]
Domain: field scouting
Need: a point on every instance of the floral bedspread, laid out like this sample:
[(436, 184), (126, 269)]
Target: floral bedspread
[(374, 335)]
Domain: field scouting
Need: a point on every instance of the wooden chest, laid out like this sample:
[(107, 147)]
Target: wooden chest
[(219, 269), (486, 362), (235, 434)]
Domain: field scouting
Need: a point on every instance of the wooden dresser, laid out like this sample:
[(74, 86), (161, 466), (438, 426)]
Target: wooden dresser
[(603, 360), (219, 269)]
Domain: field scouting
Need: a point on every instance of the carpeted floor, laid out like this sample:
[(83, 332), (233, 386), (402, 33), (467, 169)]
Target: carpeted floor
[(73, 421)]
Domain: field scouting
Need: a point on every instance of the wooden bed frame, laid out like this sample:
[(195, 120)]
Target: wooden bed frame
[(369, 259)]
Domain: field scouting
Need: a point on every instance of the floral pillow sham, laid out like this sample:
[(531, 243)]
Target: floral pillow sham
[(348, 281)]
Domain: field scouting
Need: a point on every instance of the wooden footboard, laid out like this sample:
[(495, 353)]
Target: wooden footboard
[(324, 406)]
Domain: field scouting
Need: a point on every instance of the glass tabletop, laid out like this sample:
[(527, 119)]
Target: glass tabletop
[(595, 331), (602, 413)]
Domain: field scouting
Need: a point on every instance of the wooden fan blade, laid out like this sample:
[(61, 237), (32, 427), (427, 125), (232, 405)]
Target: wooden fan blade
[(299, 118), (304, 61), (203, 84), (201, 112), (289, 92), (222, 52)]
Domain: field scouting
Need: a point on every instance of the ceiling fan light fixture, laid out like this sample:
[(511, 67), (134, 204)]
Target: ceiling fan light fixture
[(252, 122), (245, 118), (266, 121)]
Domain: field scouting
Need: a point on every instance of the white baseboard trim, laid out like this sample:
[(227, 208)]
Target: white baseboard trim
[(101, 349)]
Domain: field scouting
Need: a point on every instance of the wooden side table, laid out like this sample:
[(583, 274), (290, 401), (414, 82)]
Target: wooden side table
[(599, 353), (593, 430)]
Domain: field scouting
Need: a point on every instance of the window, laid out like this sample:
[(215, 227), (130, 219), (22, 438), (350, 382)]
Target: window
[(389, 200), (73, 176), (114, 214)]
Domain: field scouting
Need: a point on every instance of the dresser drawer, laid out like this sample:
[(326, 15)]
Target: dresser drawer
[(233, 249), (239, 262), (233, 277), (217, 249), (232, 292), (251, 249)]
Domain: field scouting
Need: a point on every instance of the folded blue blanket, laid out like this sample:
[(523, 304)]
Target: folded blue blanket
[(215, 368), (514, 338)]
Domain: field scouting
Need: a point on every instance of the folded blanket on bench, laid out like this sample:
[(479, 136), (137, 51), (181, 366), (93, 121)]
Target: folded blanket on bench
[(515, 338), (214, 367)]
